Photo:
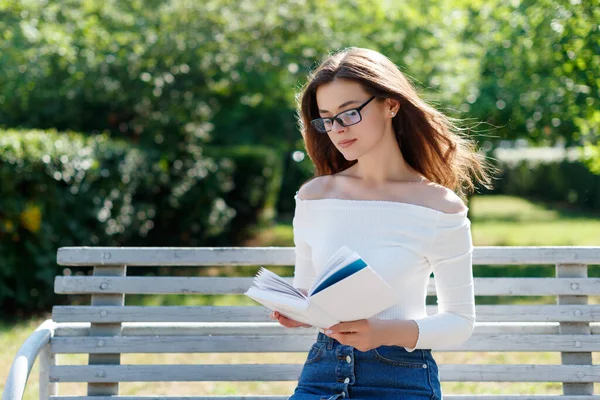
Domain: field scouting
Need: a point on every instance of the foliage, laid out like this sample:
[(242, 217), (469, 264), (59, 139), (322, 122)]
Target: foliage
[(150, 86), (548, 174), (540, 75), (258, 178), (70, 189)]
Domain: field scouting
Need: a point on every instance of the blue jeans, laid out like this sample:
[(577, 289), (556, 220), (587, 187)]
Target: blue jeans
[(334, 371)]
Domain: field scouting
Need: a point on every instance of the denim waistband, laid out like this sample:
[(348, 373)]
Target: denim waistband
[(323, 338)]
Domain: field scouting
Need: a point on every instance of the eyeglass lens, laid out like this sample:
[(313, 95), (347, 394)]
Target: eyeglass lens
[(347, 118)]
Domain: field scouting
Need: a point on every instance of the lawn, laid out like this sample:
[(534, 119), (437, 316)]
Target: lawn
[(496, 221), (513, 221)]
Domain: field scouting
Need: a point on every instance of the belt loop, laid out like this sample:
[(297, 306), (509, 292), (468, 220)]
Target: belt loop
[(329, 343)]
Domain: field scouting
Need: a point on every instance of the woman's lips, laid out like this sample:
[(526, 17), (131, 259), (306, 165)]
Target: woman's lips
[(348, 143)]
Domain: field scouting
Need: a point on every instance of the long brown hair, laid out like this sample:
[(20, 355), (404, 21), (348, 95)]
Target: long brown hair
[(430, 142)]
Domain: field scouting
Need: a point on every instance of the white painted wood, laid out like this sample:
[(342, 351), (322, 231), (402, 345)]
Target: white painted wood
[(106, 328), (568, 328), (273, 328), (197, 256), (301, 343), (485, 313), (263, 397), (248, 329), (236, 285), (46, 359), (175, 256), (192, 328), (24, 360), (291, 372)]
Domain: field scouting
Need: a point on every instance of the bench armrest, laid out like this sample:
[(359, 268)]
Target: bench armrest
[(24, 360)]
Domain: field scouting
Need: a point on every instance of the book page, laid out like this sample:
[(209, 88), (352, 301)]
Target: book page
[(268, 280), (342, 257), (278, 298), (359, 296), (291, 307), (340, 274)]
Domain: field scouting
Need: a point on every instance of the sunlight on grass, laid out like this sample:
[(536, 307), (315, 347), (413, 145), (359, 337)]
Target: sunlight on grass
[(512, 221)]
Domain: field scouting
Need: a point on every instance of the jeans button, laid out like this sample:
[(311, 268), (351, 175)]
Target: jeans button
[(347, 380), (424, 365), (349, 359)]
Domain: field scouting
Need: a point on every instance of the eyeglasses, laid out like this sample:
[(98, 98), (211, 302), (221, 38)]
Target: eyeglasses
[(345, 118)]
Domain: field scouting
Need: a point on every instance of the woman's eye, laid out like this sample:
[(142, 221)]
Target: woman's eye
[(352, 114)]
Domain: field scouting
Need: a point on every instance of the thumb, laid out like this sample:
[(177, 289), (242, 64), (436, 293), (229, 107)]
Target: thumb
[(347, 327)]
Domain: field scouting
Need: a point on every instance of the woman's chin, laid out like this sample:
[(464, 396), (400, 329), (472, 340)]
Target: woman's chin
[(350, 157)]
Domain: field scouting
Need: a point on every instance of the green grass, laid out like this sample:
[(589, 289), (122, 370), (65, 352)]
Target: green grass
[(496, 221), (512, 221)]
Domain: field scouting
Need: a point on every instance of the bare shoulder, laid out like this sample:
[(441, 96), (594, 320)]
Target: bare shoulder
[(443, 199), (315, 188)]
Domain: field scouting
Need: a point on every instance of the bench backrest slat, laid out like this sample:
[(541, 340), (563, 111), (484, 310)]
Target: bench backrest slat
[(227, 285), (270, 328), (204, 256), (485, 313), (277, 344)]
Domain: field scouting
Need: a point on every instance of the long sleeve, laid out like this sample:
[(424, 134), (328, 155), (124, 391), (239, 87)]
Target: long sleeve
[(304, 272), (450, 255)]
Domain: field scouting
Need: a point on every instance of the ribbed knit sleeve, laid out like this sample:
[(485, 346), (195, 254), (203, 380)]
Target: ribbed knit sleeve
[(304, 272), (450, 255)]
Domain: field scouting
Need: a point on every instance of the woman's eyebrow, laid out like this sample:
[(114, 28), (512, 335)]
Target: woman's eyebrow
[(342, 105)]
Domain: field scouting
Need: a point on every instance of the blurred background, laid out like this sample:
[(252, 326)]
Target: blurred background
[(173, 123)]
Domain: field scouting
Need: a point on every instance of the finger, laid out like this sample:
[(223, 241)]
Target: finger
[(282, 320), (288, 322), (345, 327), (301, 324)]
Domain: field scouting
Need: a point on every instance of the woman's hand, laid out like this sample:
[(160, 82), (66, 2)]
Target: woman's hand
[(367, 334), (288, 322)]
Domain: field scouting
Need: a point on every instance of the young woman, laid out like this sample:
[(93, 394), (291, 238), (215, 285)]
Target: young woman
[(391, 175)]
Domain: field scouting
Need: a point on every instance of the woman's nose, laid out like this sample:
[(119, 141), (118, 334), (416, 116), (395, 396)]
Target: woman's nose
[(339, 128)]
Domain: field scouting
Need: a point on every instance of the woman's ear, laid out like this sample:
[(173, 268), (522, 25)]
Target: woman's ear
[(392, 106)]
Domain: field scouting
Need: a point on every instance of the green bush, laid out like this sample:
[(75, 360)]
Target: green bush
[(68, 189), (257, 180), (299, 169), (548, 174)]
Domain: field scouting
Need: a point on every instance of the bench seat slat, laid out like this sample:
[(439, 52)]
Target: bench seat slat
[(236, 285), (300, 343), (485, 313), (291, 372), (263, 397)]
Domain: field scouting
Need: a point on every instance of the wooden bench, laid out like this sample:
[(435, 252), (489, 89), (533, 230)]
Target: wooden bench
[(107, 328)]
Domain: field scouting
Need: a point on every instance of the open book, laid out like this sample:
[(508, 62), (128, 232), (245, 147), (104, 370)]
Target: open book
[(346, 289)]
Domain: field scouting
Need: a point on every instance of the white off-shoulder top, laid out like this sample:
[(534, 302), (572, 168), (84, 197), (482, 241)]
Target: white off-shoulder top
[(404, 243)]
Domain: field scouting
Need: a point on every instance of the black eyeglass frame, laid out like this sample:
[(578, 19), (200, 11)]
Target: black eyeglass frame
[(335, 117)]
